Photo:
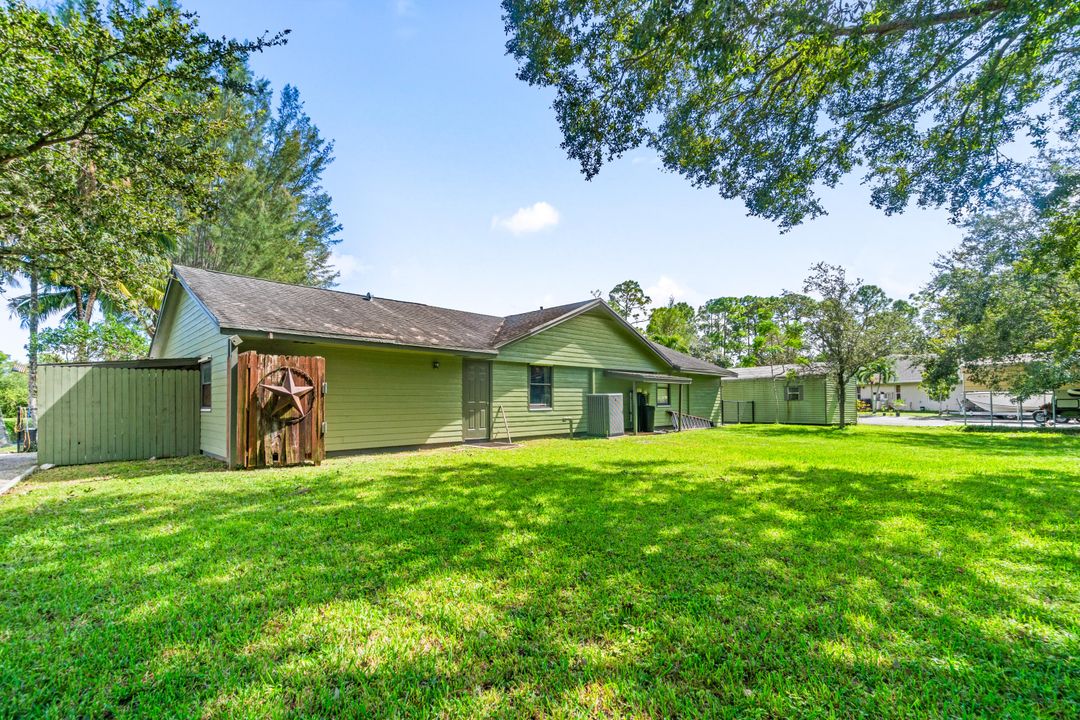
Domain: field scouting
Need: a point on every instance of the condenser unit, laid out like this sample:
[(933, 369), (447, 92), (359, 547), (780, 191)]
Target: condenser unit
[(605, 414)]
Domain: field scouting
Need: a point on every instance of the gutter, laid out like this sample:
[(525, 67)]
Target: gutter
[(348, 340)]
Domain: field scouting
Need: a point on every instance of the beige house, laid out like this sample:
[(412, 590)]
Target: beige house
[(906, 387)]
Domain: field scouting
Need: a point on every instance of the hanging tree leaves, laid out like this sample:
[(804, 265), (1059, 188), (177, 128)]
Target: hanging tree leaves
[(767, 101), (106, 138)]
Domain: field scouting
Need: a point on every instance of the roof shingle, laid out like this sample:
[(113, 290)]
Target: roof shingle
[(247, 304)]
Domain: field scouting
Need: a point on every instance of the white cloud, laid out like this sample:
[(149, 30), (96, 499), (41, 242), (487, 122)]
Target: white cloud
[(347, 265), (666, 288), (530, 219), (404, 8)]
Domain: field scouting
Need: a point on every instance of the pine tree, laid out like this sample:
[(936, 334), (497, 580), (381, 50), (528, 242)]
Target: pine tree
[(273, 218)]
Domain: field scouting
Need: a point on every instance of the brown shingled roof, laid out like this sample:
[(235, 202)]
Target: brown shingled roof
[(690, 364), (246, 304), (241, 303)]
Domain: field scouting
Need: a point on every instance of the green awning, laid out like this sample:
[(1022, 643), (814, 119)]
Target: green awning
[(648, 377)]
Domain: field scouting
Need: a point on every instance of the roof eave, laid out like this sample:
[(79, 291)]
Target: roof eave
[(277, 334), (718, 372)]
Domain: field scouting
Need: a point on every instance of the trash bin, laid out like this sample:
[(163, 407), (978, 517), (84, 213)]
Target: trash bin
[(646, 418)]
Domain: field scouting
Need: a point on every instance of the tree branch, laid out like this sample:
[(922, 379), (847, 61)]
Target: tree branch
[(902, 25)]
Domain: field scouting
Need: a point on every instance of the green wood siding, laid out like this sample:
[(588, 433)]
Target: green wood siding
[(705, 397), (99, 414), (818, 406), (190, 333), (383, 398), (851, 411), (510, 389), (593, 340)]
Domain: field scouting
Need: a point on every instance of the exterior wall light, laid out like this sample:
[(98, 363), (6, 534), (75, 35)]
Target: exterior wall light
[(435, 364)]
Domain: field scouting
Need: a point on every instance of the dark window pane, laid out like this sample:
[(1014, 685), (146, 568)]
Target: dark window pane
[(204, 378), (539, 386), (663, 394)]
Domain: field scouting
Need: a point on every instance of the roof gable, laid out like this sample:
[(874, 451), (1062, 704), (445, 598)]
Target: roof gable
[(172, 303)]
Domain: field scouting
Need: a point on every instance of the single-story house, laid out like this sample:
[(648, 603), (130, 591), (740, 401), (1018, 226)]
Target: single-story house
[(905, 386), (403, 374), (795, 394)]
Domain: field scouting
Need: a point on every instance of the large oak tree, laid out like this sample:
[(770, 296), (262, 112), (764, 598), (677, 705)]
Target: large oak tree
[(771, 100)]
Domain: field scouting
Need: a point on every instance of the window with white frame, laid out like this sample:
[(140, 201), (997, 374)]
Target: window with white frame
[(540, 382)]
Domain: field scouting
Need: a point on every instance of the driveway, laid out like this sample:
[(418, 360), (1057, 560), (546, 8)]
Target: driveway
[(906, 420), (942, 421), (12, 466)]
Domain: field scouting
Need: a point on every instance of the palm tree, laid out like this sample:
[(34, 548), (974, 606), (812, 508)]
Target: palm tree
[(876, 373)]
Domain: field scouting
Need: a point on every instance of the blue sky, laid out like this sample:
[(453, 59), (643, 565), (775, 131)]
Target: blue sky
[(452, 188)]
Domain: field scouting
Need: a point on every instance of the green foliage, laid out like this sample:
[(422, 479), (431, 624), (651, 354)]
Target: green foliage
[(876, 373), (673, 326), (1007, 298), (751, 330), (273, 219), (769, 101), (13, 387), (107, 139), (629, 300), (79, 341), (851, 325), (751, 572)]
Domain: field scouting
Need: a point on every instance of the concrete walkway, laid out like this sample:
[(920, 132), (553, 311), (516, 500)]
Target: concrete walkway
[(14, 467)]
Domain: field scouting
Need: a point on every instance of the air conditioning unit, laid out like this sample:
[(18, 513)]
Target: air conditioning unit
[(605, 414)]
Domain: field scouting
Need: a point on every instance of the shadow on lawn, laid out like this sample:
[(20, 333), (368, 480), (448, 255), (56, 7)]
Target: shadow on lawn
[(485, 586), (999, 441)]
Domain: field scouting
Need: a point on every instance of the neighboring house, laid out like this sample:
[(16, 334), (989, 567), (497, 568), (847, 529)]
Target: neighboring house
[(799, 395), (906, 387), (402, 374)]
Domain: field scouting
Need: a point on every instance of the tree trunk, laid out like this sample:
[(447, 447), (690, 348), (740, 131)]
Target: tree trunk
[(32, 351)]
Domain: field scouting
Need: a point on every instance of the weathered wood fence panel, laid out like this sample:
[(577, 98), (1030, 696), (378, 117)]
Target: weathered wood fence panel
[(279, 410), (100, 413)]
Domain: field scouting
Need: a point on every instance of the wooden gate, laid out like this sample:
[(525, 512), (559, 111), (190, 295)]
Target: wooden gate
[(279, 410)]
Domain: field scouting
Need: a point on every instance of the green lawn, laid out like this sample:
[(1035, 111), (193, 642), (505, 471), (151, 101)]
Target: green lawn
[(748, 572)]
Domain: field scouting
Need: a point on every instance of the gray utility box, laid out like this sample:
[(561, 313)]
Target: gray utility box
[(605, 414)]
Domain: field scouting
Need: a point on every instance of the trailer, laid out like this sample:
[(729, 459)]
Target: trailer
[(1064, 406)]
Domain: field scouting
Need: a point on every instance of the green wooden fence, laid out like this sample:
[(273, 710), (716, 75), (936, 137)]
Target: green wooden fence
[(99, 412)]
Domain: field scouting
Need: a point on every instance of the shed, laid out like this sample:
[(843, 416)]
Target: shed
[(789, 394)]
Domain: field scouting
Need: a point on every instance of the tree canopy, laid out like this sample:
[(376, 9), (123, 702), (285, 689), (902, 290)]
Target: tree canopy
[(673, 326), (851, 325), (770, 101), (1009, 295), (106, 139), (272, 218), (629, 300)]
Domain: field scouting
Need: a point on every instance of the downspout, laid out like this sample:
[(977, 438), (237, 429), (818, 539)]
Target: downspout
[(231, 352)]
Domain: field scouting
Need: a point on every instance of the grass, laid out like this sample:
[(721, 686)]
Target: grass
[(751, 572)]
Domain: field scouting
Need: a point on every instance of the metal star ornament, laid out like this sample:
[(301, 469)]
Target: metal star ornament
[(287, 395)]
